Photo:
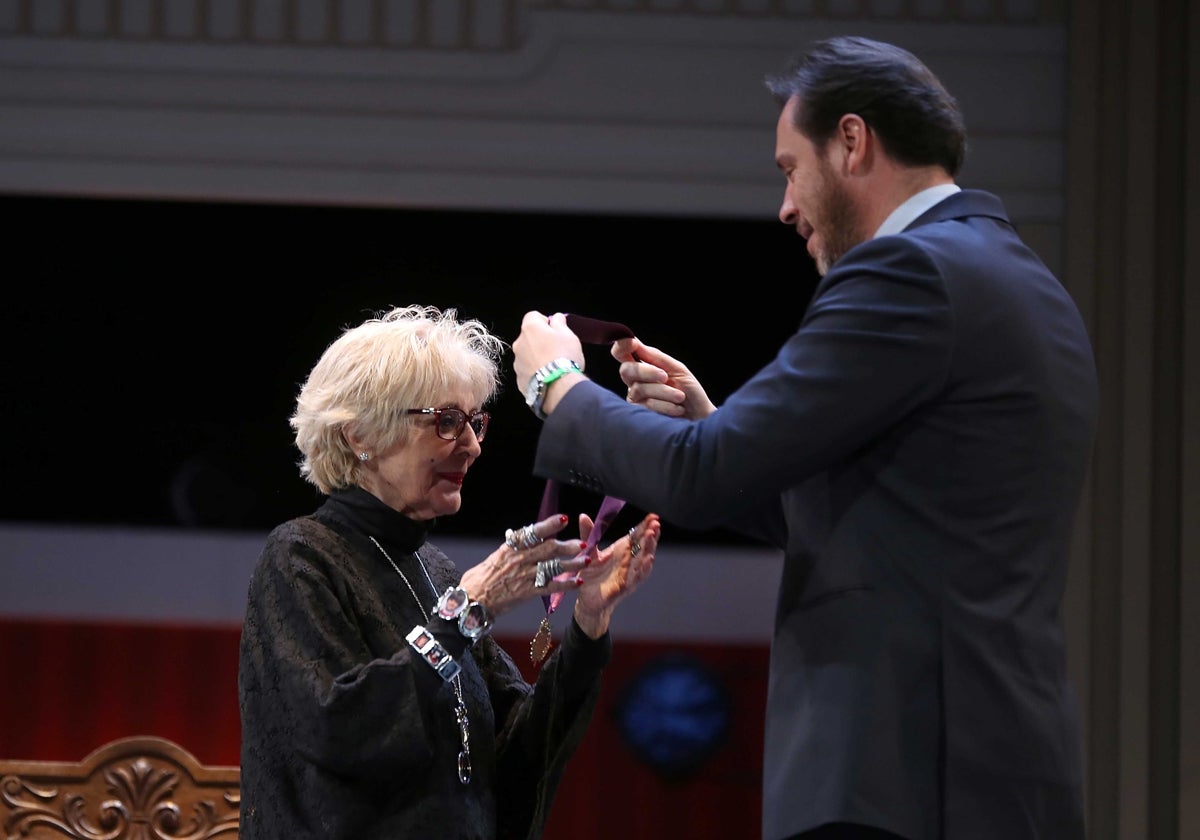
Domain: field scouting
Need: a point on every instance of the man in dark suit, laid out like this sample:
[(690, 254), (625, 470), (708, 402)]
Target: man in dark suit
[(917, 449)]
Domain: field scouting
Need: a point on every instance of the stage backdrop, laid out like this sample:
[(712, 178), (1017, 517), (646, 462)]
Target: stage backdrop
[(109, 632)]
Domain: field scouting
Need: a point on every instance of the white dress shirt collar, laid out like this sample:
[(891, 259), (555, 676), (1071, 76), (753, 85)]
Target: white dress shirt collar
[(914, 206)]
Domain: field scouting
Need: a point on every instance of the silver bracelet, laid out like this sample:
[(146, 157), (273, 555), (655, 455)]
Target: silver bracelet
[(431, 650), (474, 619)]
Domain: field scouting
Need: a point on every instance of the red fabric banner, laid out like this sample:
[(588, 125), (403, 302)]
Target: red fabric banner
[(70, 687)]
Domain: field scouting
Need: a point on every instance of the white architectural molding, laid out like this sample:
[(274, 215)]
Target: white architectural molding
[(607, 106)]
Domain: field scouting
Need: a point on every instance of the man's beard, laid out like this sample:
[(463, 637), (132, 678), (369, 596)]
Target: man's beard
[(839, 223)]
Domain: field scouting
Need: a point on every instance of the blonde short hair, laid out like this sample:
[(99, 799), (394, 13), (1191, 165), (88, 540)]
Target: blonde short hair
[(408, 357)]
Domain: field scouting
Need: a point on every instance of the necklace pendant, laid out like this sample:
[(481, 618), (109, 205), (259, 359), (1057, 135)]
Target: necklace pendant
[(540, 645), (460, 707)]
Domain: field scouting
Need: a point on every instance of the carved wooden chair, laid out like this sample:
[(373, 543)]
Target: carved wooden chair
[(140, 788)]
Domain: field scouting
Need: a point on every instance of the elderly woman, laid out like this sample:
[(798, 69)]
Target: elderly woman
[(374, 702)]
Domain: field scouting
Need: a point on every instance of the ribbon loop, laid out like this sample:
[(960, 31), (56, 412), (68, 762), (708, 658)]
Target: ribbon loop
[(590, 331)]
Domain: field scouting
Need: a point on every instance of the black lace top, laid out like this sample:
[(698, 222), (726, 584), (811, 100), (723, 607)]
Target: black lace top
[(347, 734)]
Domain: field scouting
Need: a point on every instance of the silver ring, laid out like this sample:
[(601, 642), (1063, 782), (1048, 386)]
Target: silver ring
[(547, 570), (635, 548), (528, 537), (525, 537)]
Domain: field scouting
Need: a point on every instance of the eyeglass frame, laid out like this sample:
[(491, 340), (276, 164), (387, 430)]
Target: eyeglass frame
[(467, 418)]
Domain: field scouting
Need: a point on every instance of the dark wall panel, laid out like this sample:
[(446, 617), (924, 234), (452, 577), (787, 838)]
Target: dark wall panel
[(152, 350)]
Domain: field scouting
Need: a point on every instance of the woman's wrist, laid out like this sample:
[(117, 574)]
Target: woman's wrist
[(594, 624)]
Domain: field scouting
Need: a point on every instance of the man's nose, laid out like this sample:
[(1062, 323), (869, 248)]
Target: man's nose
[(787, 210)]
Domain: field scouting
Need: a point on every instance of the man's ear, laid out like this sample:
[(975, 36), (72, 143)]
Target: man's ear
[(854, 139)]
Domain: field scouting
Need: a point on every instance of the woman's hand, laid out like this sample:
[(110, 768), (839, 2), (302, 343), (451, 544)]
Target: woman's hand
[(660, 382), (509, 575), (614, 573)]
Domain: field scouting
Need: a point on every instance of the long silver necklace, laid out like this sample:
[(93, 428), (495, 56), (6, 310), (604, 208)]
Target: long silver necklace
[(460, 708)]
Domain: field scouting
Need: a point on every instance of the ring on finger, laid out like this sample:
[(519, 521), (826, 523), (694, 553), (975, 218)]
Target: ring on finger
[(528, 537), (524, 537), (547, 570), (635, 546)]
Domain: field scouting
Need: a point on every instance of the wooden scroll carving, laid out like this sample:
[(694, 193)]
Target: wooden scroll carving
[(139, 788)]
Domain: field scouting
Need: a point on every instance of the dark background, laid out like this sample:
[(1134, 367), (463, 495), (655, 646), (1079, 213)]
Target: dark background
[(152, 350)]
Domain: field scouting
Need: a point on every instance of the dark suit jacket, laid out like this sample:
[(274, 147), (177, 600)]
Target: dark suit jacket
[(917, 449)]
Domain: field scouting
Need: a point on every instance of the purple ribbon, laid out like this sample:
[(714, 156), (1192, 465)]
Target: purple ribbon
[(590, 331), (609, 509)]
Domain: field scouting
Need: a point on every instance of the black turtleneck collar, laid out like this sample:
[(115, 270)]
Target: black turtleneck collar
[(360, 512)]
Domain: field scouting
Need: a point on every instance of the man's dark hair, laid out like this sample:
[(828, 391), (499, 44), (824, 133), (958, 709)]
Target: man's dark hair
[(899, 98)]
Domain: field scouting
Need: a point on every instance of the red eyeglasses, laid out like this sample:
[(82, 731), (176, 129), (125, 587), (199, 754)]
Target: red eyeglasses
[(450, 422)]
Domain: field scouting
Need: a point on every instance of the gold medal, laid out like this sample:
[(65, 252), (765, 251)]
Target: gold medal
[(539, 646)]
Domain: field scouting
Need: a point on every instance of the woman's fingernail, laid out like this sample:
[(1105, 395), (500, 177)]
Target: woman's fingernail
[(587, 561), (562, 519)]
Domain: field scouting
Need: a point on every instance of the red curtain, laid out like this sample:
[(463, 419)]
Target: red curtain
[(66, 688)]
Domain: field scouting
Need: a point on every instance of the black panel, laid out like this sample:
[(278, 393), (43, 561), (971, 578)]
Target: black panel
[(152, 350)]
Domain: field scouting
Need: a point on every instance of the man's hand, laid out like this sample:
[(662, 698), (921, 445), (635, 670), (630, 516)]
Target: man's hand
[(660, 382), (542, 340)]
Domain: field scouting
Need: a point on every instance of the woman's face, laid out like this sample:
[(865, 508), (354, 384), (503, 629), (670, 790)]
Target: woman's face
[(423, 476)]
